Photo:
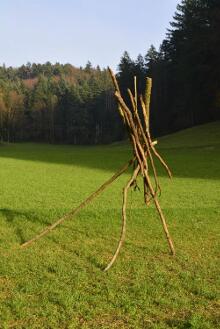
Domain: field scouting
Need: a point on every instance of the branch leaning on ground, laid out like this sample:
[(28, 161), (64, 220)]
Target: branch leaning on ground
[(73, 212)]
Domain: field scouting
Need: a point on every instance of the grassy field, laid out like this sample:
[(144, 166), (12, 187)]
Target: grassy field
[(58, 282)]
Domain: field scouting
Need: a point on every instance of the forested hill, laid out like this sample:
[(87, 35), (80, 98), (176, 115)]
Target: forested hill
[(57, 103), (64, 104)]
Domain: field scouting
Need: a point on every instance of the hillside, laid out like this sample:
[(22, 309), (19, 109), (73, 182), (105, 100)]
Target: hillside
[(203, 135), (59, 282)]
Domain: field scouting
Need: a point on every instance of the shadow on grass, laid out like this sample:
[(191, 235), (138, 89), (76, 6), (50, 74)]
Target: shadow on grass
[(191, 162), (11, 215), (15, 216), (71, 236), (17, 219)]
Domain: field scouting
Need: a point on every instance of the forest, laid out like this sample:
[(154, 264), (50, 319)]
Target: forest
[(59, 103)]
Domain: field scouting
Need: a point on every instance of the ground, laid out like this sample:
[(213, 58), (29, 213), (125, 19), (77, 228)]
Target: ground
[(58, 282)]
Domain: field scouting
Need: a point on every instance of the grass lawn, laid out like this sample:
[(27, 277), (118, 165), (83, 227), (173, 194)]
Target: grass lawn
[(58, 282)]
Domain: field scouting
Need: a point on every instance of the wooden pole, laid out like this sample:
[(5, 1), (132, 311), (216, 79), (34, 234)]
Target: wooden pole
[(73, 212), (124, 217)]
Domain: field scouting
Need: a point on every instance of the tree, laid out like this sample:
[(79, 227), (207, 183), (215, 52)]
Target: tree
[(2, 115), (11, 107), (192, 48)]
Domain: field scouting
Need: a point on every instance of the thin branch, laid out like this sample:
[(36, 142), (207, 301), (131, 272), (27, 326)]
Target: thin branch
[(135, 93), (152, 144), (147, 143), (147, 100), (81, 206), (124, 218), (166, 231)]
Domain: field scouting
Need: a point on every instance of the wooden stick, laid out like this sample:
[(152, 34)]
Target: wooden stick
[(124, 218), (147, 99), (135, 93), (135, 139), (152, 144), (148, 145), (73, 212), (131, 124), (147, 195), (168, 236)]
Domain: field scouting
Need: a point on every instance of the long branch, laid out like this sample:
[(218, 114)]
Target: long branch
[(147, 143), (164, 224), (73, 212), (152, 145)]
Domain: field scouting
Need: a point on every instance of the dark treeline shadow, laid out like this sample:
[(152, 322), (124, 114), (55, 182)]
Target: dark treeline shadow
[(195, 162)]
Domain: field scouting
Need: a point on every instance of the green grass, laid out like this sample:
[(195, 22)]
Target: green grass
[(59, 283)]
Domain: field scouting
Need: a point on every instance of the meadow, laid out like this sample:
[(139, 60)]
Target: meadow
[(58, 282)]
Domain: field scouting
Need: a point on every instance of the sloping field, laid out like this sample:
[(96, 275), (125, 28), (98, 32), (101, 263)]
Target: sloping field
[(58, 282)]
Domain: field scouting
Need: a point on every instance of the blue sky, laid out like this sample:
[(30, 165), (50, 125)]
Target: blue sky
[(75, 31)]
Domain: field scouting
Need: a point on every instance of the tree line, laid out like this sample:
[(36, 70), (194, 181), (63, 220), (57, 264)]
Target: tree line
[(59, 103), (185, 69)]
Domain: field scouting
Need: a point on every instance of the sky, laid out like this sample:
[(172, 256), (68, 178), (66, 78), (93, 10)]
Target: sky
[(75, 31)]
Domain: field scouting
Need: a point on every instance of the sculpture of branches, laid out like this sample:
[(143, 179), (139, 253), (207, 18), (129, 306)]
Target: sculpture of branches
[(144, 152)]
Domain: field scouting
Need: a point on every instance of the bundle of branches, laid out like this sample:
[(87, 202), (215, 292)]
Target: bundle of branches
[(144, 152)]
